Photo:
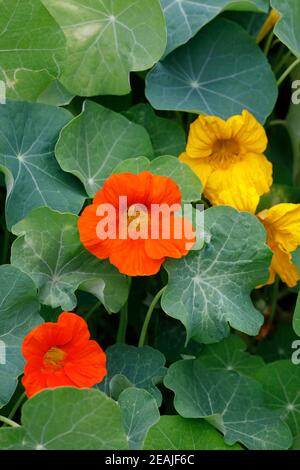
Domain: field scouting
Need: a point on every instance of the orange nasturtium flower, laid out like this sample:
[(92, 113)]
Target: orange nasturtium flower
[(228, 158), (282, 223), (143, 254), (61, 354)]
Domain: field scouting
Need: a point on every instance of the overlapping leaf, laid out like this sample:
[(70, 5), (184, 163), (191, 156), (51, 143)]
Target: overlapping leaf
[(49, 251), (167, 137), (281, 383), (106, 40), (231, 402), (221, 71), (177, 433), (185, 18), (67, 419), (210, 288), (28, 135), (287, 29), (94, 142), (141, 367), (19, 313), (140, 413), (189, 184), (32, 48), (230, 354)]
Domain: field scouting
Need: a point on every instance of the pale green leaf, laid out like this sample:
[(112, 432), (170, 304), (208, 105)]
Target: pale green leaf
[(106, 40), (177, 433), (19, 313), (210, 289), (232, 403), (49, 251), (230, 354), (186, 17), (140, 413), (32, 47), (221, 71), (281, 383), (142, 367), (55, 94), (189, 184), (167, 137), (67, 419), (287, 28), (94, 142), (28, 134), (296, 317)]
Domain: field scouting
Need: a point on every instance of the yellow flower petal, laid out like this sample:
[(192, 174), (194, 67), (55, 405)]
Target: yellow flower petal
[(283, 266), (249, 133), (241, 184), (200, 167), (283, 225)]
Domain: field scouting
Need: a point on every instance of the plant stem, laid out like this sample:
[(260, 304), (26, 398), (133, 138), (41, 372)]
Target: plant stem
[(16, 406), (282, 61), (9, 422), (121, 335), (149, 315), (287, 72), (268, 43), (92, 310), (274, 299)]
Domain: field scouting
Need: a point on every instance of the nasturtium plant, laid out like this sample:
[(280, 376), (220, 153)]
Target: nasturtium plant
[(149, 225)]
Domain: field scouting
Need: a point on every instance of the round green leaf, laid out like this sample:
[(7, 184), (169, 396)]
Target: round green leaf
[(221, 71), (167, 137), (281, 383), (32, 48), (186, 17), (50, 252), (287, 28), (106, 40), (140, 413), (19, 313), (67, 419), (29, 132), (210, 288), (94, 142), (230, 354), (177, 433), (142, 367), (232, 403)]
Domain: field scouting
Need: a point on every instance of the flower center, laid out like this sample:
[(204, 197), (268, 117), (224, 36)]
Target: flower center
[(54, 358), (225, 151), (137, 218)]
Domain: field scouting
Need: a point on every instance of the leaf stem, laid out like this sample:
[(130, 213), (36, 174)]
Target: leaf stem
[(92, 310), (18, 403), (9, 422), (121, 335), (274, 299), (148, 316), (268, 43), (287, 72)]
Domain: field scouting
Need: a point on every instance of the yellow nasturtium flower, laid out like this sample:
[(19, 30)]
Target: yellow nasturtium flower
[(228, 158), (268, 25), (282, 223)]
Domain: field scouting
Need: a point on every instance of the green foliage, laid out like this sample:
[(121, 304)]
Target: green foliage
[(48, 249), (67, 419), (201, 76)]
